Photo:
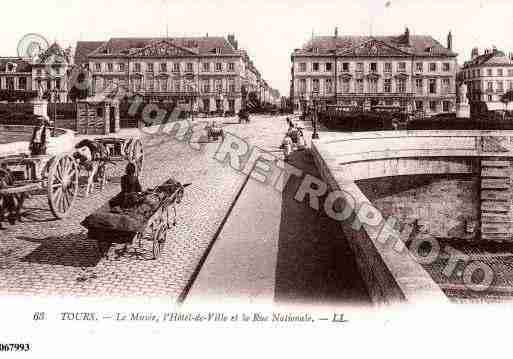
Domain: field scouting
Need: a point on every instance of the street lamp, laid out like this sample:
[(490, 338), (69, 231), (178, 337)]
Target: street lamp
[(315, 98), (54, 92)]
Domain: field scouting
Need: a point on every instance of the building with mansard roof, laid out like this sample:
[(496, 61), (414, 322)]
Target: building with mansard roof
[(488, 76), (211, 74), (412, 72), (21, 78)]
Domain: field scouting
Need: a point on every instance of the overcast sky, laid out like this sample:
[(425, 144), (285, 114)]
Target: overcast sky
[(269, 30)]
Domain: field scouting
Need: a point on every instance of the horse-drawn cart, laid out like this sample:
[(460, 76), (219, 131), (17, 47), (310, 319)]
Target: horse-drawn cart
[(129, 149), (58, 175), (214, 131), (147, 220)]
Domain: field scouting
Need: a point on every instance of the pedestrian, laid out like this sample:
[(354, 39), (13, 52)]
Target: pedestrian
[(287, 147), (37, 144)]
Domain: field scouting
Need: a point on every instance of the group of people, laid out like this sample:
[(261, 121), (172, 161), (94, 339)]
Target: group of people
[(293, 139)]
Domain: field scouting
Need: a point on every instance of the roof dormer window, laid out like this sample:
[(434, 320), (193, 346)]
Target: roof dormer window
[(315, 50), (218, 51)]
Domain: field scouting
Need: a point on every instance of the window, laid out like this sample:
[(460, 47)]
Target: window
[(328, 66), (206, 86), (388, 67), (419, 105), (419, 66), (231, 86), (97, 66), (389, 103), (22, 84), (163, 84), (446, 67), (163, 67), (219, 85), (387, 85), (315, 66), (206, 67), (177, 86), (373, 67), (58, 84), (432, 86), (302, 67), (231, 67), (432, 106), (500, 72), (302, 85), (188, 67), (149, 82), (359, 85), (329, 86), (489, 86), (510, 72), (401, 66), (219, 67), (500, 86), (137, 83), (490, 98), (137, 67), (176, 67), (446, 106), (419, 86), (149, 67), (345, 86), (359, 67), (432, 67), (401, 85), (446, 84), (110, 67), (121, 67), (345, 67), (373, 85), (489, 72), (510, 85), (478, 72), (315, 85)]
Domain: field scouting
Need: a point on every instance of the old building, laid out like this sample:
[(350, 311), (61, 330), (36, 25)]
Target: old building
[(48, 73), (488, 77), (211, 74), (411, 72)]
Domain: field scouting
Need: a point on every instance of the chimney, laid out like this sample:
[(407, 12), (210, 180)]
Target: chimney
[(407, 36), (449, 41), (475, 53), (336, 31)]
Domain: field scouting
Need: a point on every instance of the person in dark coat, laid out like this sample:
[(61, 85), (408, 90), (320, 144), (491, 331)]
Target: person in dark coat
[(130, 189), (38, 141)]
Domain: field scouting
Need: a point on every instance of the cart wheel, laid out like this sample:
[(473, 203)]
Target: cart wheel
[(62, 185), (159, 239)]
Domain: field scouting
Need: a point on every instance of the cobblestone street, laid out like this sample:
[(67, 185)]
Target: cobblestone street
[(41, 256)]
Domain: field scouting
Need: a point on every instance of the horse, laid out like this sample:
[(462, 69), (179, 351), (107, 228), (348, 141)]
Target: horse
[(92, 157)]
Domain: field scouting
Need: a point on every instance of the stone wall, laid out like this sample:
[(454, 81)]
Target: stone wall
[(442, 204)]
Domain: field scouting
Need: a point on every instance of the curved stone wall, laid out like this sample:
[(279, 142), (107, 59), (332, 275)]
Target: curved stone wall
[(61, 143)]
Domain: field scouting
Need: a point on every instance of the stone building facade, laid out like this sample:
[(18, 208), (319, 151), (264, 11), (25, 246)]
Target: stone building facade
[(488, 76), (47, 73), (210, 74), (411, 72)]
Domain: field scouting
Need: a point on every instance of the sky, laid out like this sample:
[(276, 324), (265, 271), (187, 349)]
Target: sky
[(268, 30)]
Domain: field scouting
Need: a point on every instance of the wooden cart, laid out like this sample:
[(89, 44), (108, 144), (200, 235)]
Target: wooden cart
[(58, 175), (108, 226), (129, 149)]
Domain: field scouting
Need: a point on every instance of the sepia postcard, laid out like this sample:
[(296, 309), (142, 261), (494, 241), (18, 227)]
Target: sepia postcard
[(236, 178)]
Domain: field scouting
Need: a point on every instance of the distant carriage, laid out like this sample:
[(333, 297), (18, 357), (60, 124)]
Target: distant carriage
[(214, 131)]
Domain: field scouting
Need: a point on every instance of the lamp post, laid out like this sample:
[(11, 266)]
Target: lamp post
[(55, 93), (315, 98)]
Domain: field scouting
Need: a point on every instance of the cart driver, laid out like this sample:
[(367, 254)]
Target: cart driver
[(130, 189)]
